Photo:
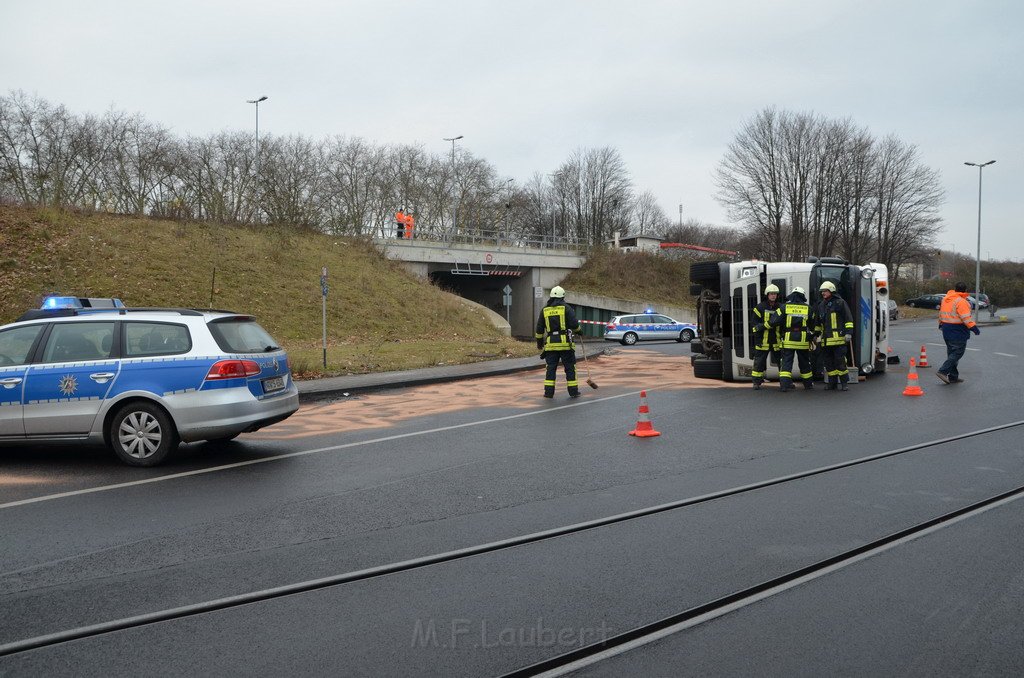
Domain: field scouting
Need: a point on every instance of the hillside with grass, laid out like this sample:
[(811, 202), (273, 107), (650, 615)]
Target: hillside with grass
[(643, 276), (379, 317)]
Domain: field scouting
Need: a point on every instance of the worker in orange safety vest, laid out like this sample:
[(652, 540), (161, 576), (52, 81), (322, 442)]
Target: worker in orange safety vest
[(956, 324)]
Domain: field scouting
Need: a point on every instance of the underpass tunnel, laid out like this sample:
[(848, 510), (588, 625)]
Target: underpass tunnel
[(487, 289)]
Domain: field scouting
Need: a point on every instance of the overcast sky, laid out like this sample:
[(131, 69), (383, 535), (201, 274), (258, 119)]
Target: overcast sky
[(526, 82)]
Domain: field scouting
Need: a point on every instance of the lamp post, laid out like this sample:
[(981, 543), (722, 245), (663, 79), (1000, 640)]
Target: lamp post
[(257, 102), (454, 207), (977, 268)]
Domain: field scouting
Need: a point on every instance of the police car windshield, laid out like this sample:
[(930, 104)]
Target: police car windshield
[(242, 335)]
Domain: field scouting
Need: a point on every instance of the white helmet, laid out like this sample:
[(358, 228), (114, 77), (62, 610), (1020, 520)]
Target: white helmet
[(799, 290), (771, 289), (557, 292), (827, 285)]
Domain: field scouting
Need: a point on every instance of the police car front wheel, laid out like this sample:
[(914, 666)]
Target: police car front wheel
[(142, 434), (629, 338)]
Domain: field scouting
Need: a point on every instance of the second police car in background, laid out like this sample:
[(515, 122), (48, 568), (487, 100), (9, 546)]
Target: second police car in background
[(629, 329), (139, 380)]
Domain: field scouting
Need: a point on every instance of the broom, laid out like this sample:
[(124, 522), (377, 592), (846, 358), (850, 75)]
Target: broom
[(590, 382)]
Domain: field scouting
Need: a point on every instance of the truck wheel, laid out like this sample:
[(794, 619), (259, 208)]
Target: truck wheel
[(706, 368), (704, 272), (142, 434), (696, 347)]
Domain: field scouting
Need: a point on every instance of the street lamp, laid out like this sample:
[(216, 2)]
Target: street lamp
[(454, 207), (257, 102), (977, 269)]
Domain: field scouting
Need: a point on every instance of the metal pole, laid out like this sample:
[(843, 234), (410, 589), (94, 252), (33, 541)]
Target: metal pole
[(324, 298), (977, 260)]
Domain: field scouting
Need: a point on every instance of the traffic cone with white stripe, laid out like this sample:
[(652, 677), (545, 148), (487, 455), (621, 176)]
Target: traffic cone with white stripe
[(644, 428), (923, 362), (913, 388)]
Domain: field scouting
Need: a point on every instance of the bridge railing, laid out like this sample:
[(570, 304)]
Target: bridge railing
[(496, 239)]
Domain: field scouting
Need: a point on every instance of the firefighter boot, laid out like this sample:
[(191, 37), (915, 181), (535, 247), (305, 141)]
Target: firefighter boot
[(808, 385), (830, 385), (785, 385), (757, 384), (843, 380)]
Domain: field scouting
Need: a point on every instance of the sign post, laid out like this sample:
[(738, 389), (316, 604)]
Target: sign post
[(506, 299), (323, 290)]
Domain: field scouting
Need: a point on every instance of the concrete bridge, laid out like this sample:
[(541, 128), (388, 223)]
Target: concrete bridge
[(479, 267)]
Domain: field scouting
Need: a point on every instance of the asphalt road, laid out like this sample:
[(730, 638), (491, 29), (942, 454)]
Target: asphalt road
[(397, 475)]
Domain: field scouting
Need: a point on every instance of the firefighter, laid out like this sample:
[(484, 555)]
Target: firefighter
[(834, 325), (794, 324), (555, 325), (766, 335)]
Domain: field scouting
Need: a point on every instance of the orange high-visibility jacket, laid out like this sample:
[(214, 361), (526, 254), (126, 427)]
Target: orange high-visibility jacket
[(955, 309)]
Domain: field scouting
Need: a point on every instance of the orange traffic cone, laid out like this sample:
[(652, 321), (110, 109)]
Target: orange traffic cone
[(923, 362), (913, 388), (643, 429)]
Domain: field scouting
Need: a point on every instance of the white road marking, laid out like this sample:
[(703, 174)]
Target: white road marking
[(332, 448), (1008, 355), (974, 349), (774, 591), (905, 341), (931, 344)]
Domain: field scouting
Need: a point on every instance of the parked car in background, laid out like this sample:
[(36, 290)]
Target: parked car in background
[(894, 309), (629, 329), (935, 300), (926, 301)]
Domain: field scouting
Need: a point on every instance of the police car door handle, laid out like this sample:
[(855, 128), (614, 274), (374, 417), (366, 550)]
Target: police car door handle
[(101, 377), (10, 382)]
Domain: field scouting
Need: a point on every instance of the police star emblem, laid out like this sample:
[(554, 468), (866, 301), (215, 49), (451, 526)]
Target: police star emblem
[(68, 384)]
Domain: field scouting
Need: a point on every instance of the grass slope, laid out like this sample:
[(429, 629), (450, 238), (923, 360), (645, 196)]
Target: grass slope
[(378, 316), (642, 276)]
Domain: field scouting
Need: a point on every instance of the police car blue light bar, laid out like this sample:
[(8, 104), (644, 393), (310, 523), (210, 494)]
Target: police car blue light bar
[(55, 302), (51, 303)]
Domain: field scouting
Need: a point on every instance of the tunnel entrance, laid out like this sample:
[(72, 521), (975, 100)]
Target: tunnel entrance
[(483, 289)]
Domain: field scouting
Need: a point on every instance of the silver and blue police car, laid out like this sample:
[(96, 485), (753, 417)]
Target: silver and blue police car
[(138, 380), (647, 326)]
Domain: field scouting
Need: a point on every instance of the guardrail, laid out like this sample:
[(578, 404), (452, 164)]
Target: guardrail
[(492, 238)]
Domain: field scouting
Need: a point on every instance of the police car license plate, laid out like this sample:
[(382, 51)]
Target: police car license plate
[(273, 384)]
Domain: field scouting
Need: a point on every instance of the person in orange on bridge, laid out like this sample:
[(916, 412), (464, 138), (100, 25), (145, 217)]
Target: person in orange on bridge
[(409, 224), (955, 322)]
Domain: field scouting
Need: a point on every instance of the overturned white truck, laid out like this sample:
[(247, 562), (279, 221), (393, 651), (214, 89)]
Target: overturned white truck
[(727, 292)]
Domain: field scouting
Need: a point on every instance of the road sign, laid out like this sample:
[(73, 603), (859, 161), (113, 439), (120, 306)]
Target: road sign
[(507, 289), (507, 300)]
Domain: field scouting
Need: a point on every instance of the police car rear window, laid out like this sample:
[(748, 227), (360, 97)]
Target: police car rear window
[(155, 339), (241, 335)]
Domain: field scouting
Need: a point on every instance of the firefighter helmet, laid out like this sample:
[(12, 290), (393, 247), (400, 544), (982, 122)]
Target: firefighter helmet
[(799, 290), (771, 289), (828, 285), (557, 292)]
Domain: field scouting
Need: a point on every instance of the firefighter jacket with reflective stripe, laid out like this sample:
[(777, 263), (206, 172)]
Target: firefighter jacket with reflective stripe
[(768, 338), (555, 322), (955, 316), (794, 322), (833, 320)]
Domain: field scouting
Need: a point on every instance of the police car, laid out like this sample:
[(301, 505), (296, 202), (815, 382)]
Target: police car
[(629, 329), (138, 380)]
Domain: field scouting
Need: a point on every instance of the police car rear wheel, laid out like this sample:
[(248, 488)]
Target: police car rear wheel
[(685, 335), (629, 338), (142, 434)]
